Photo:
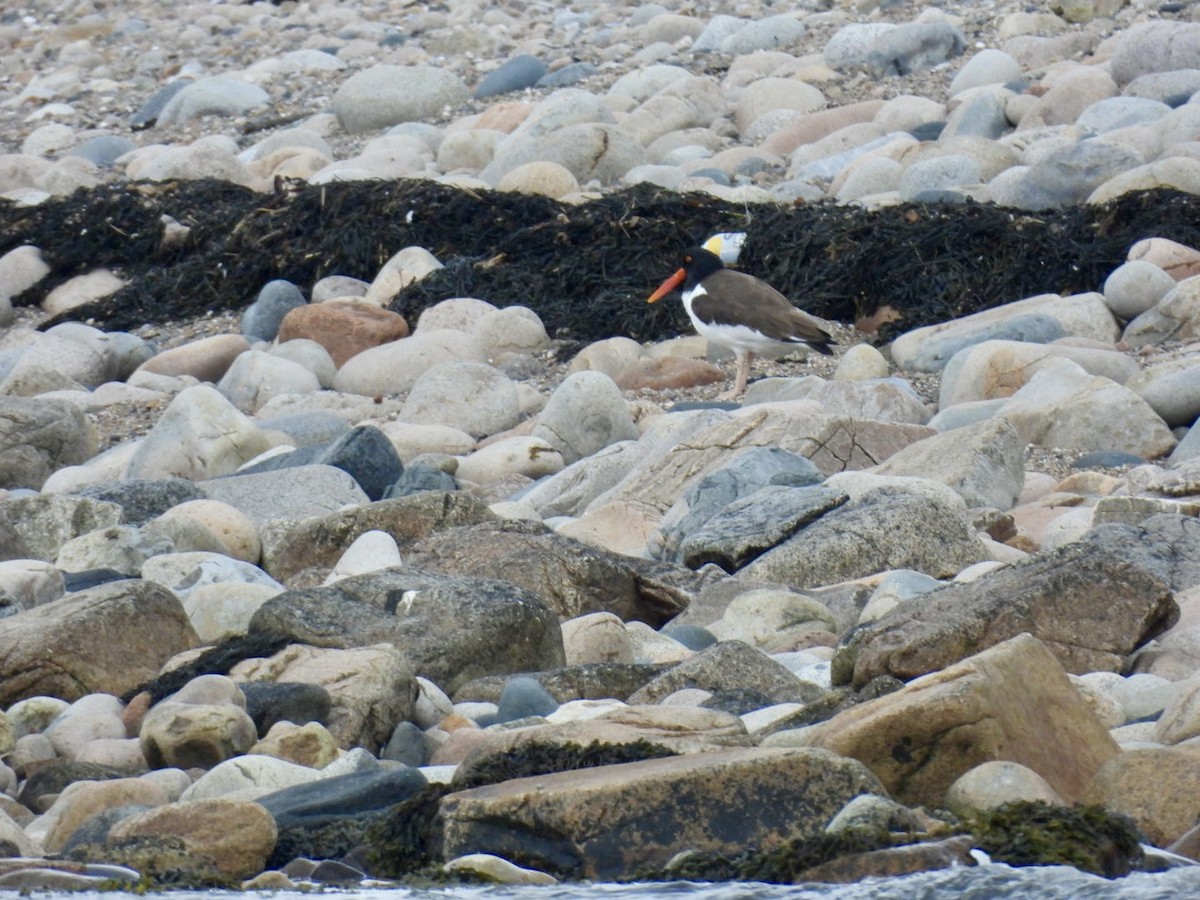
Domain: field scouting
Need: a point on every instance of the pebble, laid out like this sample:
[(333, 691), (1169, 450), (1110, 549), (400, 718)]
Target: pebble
[(314, 411)]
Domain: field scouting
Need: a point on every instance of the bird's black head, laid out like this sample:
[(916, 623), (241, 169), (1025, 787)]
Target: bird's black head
[(700, 263)]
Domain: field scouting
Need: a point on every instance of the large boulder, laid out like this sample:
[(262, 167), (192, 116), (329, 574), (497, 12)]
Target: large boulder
[(570, 577), (371, 688), (449, 629), (886, 528), (291, 546), (38, 437), (1011, 702), (591, 823), (1084, 601), (108, 639)]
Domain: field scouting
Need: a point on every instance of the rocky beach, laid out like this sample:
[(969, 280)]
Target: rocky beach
[(313, 591)]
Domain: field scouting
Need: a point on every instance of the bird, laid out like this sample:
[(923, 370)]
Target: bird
[(738, 311)]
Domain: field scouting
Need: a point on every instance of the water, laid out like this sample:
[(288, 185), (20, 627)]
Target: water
[(985, 882)]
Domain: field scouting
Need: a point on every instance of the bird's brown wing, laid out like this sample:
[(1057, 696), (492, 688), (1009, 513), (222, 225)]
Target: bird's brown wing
[(759, 306)]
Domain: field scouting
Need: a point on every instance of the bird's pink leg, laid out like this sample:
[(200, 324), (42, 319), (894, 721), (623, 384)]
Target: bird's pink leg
[(744, 358)]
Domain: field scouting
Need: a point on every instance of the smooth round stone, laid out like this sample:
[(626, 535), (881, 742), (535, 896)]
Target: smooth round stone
[(385, 95), (668, 177), (988, 66), (394, 367), (516, 74), (850, 45), (542, 177), (215, 96), (262, 318), (937, 174), (34, 714), (474, 397), (417, 478), (994, 783), (89, 718), (570, 74), (514, 329), (768, 33), (1120, 112), (522, 455), (1176, 173), (772, 94), (102, 150), (343, 327), (148, 113), (370, 552), (1157, 46), (1134, 287), (309, 354), (870, 176), (218, 611), (457, 313), (522, 698), (231, 526), (31, 582), (333, 287), (468, 150), (693, 637), (183, 573), (584, 414), (206, 359), (189, 735), (408, 745), (862, 362), (122, 548), (256, 377), (290, 139)]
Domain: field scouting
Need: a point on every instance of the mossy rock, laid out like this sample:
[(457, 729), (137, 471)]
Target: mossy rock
[(404, 840), (1034, 833)]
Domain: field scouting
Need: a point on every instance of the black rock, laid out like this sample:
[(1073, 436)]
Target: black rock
[(342, 796), (364, 453), (268, 702), (90, 578)]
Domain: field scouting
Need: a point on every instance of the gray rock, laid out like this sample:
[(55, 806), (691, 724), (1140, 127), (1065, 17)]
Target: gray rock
[(1172, 389), (515, 74), (1167, 546), (121, 548), (292, 493), (451, 629), (1175, 317), (1158, 46), (1048, 595), (584, 414), (1120, 112), (470, 396), (877, 399), (588, 150), (937, 174), (747, 527), (148, 113), (277, 298), (984, 462), (989, 66), (850, 45), (386, 95), (1067, 176), (307, 429), (523, 697), (38, 437), (570, 74), (292, 545), (740, 477), (1167, 87), (569, 492), (1135, 287), (884, 529), (984, 115), (730, 666), (37, 526), (364, 453), (914, 46), (103, 149), (718, 30), (769, 33), (215, 96)]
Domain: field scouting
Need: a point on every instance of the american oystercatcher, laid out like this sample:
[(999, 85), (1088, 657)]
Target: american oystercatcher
[(739, 311)]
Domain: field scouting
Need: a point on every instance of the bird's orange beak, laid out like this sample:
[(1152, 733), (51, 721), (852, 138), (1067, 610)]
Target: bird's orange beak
[(667, 286)]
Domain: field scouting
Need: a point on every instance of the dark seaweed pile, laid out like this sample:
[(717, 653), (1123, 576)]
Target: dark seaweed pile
[(585, 269)]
